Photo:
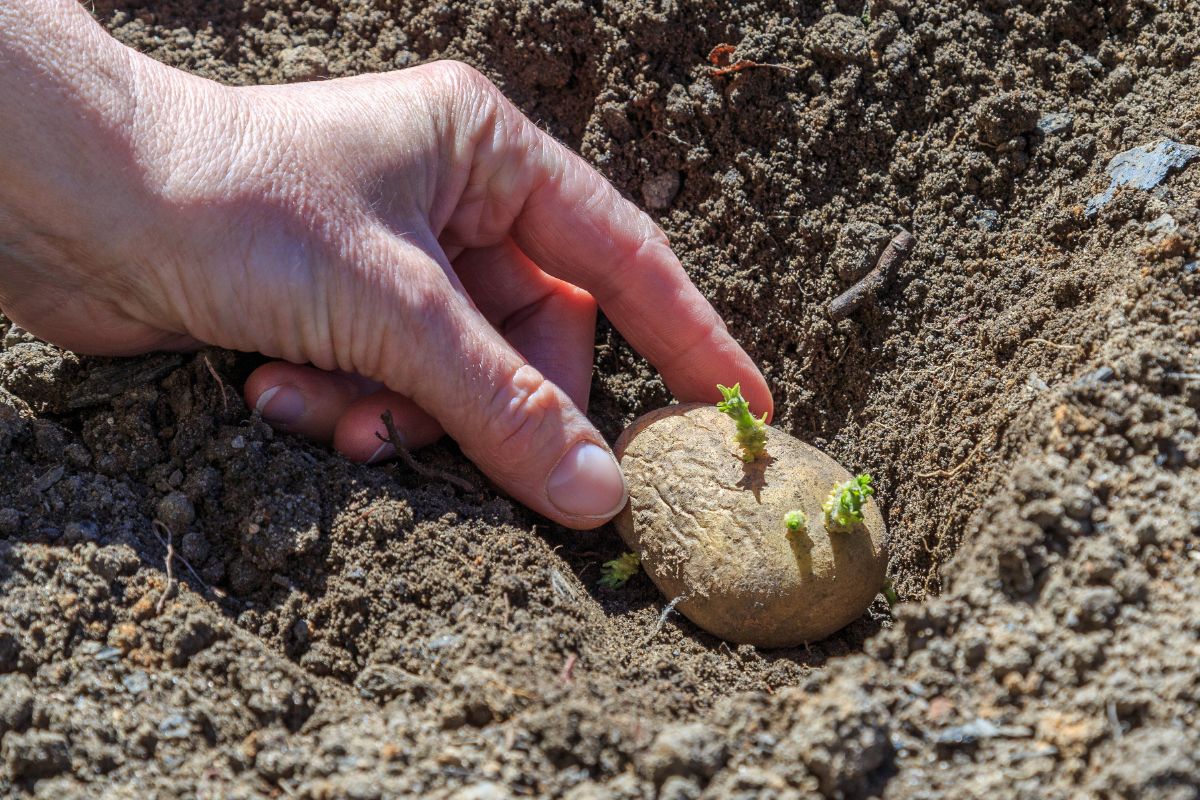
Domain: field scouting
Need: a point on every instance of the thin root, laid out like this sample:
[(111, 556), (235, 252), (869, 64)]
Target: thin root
[(662, 618), (722, 64), (220, 383), (1055, 345), (568, 669), (171, 554), (158, 608), (433, 473), (950, 473)]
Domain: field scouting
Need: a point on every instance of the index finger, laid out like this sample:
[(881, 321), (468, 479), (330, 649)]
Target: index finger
[(576, 226)]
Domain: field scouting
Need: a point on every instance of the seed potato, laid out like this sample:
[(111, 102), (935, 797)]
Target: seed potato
[(710, 526)]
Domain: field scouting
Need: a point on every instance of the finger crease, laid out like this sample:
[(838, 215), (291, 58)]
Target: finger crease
[(525, 313)]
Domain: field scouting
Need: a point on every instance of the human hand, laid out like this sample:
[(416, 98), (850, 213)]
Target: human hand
[(406, 241)]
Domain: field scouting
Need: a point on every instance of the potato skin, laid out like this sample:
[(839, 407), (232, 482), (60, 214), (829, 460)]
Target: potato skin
[(709, 526)]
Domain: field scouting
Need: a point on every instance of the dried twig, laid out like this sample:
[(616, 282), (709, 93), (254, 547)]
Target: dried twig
[(433, 473), (892, 257)]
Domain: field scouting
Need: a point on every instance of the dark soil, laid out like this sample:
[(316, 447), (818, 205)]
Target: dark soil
[(1026, 391)]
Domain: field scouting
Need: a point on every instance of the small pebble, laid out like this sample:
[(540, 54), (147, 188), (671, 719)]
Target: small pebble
[(175, 726), (987, 220), (108, 654), (1101, 375), (444, 641), (659, 191), (136, 682), (1164, 224), (1056, 123)]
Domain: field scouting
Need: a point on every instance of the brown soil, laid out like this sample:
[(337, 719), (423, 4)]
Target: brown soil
[(1025, 390)]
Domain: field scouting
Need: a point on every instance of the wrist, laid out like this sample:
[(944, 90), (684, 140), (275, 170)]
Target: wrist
[(89, 131)]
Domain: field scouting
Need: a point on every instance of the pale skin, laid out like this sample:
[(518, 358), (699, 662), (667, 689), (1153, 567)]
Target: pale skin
[(406, 241)]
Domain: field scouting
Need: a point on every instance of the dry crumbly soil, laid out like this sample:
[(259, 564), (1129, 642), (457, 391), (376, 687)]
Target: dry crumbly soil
[(1026, 392)]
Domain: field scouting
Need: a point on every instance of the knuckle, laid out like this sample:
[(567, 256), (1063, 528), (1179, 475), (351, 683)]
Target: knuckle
[(649, 249), (518, 412), (582, 299), (404, 292), (458, 81)]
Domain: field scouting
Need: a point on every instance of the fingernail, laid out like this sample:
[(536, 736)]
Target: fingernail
[(281, 405), (587, 483), (382, 453)]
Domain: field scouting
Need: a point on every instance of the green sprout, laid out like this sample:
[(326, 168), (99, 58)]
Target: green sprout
[(889, 593), (614, 574), (843, 507), (751, 432), (795, 521)]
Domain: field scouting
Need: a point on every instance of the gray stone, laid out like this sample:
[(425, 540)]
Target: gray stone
[(1143, 167), (175, 726), (136, 682), (1056, 123)]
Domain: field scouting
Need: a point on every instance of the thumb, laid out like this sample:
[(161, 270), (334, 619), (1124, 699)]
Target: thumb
[(519, 428)]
